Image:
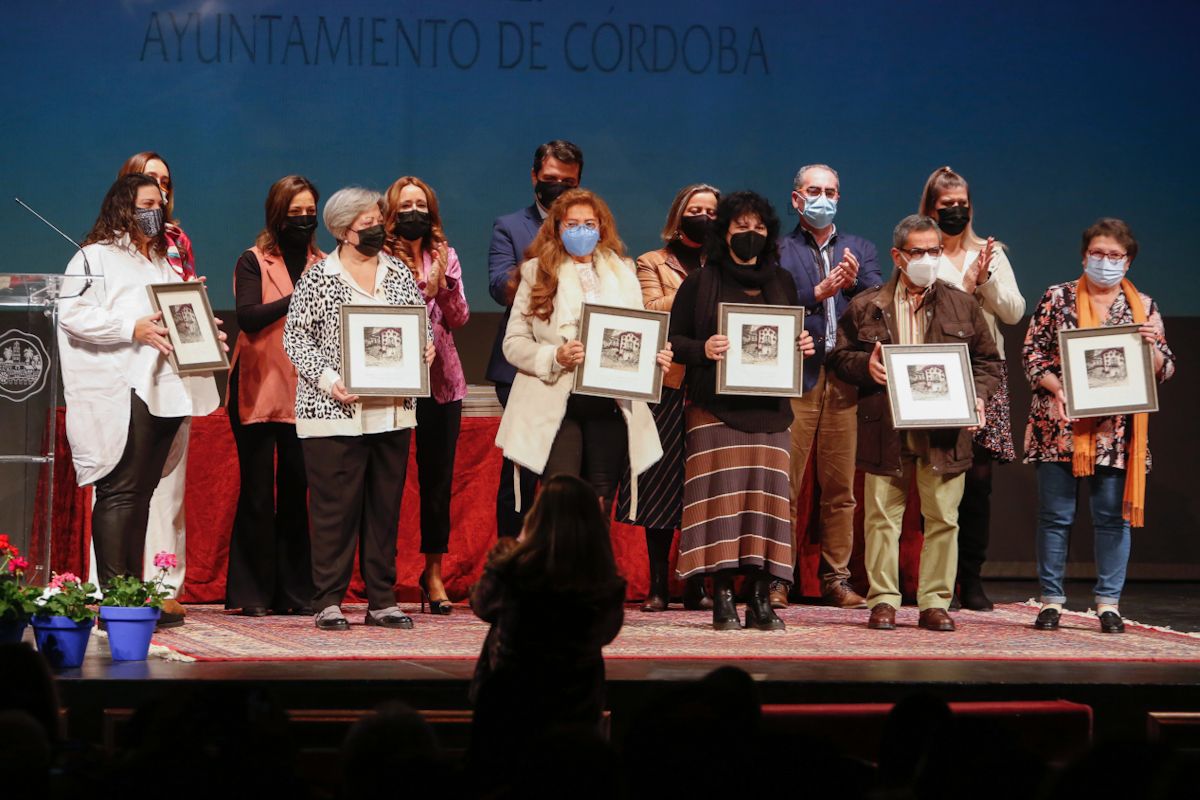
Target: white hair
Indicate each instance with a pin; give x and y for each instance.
(346, 205)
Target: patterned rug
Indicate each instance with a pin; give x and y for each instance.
(813, 633)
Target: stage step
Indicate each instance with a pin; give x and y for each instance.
(1056, 729)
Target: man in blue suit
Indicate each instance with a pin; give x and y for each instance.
(829, 268)
(557, 167)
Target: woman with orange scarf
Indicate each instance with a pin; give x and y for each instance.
(1110, 453)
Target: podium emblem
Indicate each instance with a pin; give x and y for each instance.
(23, 361)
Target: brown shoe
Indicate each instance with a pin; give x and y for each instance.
(779, 594)
(172, 606)
(883, 618)
(842, 596)
(936, 619)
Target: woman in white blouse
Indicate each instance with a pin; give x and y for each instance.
(355, 449)
(577, 257)
(980, 267)
(125, 403)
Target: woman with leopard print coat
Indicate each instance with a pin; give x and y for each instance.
(355, 449)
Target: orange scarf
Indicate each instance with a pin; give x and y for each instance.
(1133, 508)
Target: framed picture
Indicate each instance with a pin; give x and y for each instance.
(191, 326)
(383, 351)
(762, 358)
(1107, 371)
(619, 350)
(930, 385)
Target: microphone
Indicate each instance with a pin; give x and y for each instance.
(87, 268)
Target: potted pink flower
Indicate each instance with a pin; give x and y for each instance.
(63, 618)
(16, 599)
(131, 608)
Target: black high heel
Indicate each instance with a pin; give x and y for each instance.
(438, 607)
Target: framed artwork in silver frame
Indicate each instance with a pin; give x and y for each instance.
(191, 327)
(383, 350)
(1107, 371)
(763, 357)
(930, 385)
(620, 346)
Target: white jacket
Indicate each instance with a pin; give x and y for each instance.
(101, 362)
(998, 296)
(538, 401)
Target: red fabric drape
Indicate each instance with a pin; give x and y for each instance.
(212, 500)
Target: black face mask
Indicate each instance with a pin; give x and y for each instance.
(747, 245)
(412, 225)
(695, 227)
(296, 231)
(953, 220)
(547, 192)
(370, 240)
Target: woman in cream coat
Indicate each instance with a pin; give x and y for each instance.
(576, 258)
(979, 267)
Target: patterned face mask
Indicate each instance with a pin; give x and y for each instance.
(150, 220)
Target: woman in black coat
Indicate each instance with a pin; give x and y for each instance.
(554, 601)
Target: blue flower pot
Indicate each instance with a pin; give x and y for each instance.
(11, 630)
(129, 630)
(61, 640)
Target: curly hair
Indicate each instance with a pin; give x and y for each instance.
(137, 163)
(279, 199)
(547, 248)
(733, 207)
(116, 214)
(391, 206)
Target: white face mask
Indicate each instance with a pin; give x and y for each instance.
(923, 271)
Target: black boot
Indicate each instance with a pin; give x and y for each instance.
(725, 616)
(658, 550)
(695, 594)
(972, 596)
(759, 613)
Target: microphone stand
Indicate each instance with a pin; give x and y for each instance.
(87, 268)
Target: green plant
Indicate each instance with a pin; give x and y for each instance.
(16, 599)
(67, 596)
(127, 591)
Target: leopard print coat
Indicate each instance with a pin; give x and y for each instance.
(312, 338)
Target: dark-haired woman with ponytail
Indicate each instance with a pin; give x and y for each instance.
(736, 517)
(125, 403)
(270, 565)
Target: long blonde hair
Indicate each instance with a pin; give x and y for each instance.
(944, 178)
(548, 249)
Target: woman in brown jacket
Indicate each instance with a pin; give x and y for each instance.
(270, 565)
(660, 489)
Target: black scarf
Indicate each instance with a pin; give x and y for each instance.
(708, 296)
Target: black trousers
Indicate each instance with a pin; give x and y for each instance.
(508, 520)
(591, 443)
(355, 484)
(270, 563)
(123, 495)
(438, 425)
(974, 517)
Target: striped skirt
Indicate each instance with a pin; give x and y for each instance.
(736, 499)
(660, 488)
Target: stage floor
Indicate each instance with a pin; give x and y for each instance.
(1121, 692)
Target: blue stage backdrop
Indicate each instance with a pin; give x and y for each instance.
(1058, 112)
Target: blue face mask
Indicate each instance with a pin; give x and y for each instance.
(1105, 271)
(819, 211)
(581, 240)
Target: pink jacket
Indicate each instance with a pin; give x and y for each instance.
(447, 311)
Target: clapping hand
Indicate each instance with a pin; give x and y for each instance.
(977, 272)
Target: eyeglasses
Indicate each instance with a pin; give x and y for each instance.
(919, 252)
(813, 192)
(1102, 254)
(591, 226)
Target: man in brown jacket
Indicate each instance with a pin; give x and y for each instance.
(913, 307)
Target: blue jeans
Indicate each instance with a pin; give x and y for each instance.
(1057, 489)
